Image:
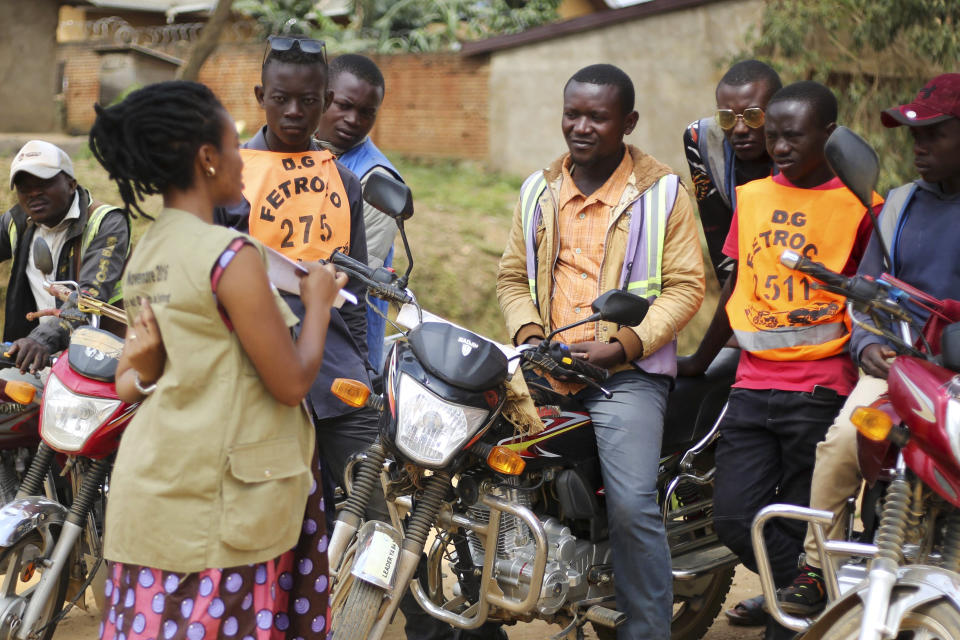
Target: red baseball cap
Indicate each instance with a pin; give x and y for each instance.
(936, 102)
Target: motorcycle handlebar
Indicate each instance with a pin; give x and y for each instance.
(7, 362)
(793, 260)
(379, 281)
(857, 288)
(556, 359)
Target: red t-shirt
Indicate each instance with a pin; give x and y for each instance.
(836, 372)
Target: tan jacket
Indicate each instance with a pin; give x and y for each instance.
(212, 472)
(682, 266)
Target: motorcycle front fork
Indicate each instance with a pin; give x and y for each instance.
(890, 538)
(351, 515)
(36, 475)
(69, 535)
(420, 521)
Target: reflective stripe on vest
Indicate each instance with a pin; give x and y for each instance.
(93, 228)
(791, 336)
(641, 273)
(776, 313)
(533, 187)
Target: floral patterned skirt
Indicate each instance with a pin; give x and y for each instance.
(282, 598)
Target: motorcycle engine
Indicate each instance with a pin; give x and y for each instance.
(516, 550)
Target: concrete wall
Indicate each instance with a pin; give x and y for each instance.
(28, 65)
(675, 60)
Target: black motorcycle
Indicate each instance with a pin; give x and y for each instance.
(517, 519)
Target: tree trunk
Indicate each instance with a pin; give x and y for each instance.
(207, 43)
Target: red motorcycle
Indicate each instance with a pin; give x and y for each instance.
(50, 534)
(907, 583)
(19, 423)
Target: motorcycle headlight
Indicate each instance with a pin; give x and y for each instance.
(953, 426)
(430, 430)
(69, 418)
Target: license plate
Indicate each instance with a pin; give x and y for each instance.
(376, 559)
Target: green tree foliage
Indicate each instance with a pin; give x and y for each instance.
(295, 17)
(390, 26)
(874, 54)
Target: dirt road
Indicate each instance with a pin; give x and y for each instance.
(84, 625)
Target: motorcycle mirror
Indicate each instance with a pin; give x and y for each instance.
(950, 346)
(42, 258)
(855, 163)
(621, 307)
(613, 306)
(389, 195)
(393, 198)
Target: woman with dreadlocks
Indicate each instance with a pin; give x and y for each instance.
(208, 490)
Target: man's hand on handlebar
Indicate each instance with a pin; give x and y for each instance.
(875, 360)
(599, 354)
(30, 355)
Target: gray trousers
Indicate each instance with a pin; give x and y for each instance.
(629, 431)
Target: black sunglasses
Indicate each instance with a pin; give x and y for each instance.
(306, 45)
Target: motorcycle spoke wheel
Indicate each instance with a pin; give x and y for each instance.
(23, 568)
(938, 620)
(697, 602)
(359, 612)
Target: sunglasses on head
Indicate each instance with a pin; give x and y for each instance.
(753, 117)
(306, 45)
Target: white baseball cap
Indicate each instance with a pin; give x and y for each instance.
(41, 159)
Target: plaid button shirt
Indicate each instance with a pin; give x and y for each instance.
(583, 221)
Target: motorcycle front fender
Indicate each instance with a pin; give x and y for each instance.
(916, 586)
(24, 515)
(378, 550)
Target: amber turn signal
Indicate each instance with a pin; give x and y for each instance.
(506, 461)
(18, 391)
(350, 392)
(874, 424)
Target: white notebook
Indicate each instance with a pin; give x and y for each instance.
(285, 275)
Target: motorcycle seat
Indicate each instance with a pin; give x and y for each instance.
(695, 402)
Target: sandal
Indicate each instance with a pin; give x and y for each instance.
(748, 613)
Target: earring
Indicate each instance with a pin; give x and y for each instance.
(211, 171)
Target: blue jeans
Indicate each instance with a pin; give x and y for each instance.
(629, 430)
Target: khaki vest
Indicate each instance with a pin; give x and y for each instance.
(776, 312)
(212, 472)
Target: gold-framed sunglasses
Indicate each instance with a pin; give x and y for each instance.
(753, 117)
(306, 45)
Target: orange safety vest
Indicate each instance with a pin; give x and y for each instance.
(298, 204)
(775, 312)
